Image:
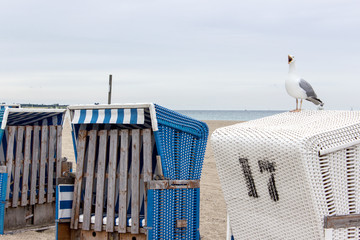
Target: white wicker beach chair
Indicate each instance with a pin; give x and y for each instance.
(292, 175)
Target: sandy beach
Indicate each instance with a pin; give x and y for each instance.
(212, 209)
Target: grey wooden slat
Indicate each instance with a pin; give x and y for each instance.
(100, 181)
(147, 151)
(78, 179)
(135, 181)
(43, 160)
(114, 139)
(18, 163)
(147, 155)
(27, 162)
(34, 164)
(52, 144)
(89, 179)
(10, 157)
(123, 191)
(58, 150)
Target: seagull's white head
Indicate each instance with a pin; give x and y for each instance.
(291, 59)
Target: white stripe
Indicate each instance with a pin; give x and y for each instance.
(140, 117)
(76, 116)
(114, 116)
(88, 116)
(154, 123)
(127, 116)
(101, 116)
(64, 213)
(66, 196)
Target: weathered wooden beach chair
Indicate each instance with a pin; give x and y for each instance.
(292, 175)
(30, 153)
(137, 174)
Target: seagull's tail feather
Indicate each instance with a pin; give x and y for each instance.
(316, 101)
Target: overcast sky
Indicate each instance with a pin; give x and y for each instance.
(182, 54)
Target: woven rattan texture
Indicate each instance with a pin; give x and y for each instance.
(276, 184)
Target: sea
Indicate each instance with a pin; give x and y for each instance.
(229, 115)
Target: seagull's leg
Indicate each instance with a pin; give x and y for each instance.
(301, 104)
(297, 105)
(296, 110)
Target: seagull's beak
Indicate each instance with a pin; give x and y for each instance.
(289, 59)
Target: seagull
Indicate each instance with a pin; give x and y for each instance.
(298, 87)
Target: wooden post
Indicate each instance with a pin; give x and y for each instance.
(110, 89)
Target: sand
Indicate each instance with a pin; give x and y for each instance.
(212, 205)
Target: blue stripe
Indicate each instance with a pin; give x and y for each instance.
(66, 204)
(59, 119)
(95, 115)
(133, 119)
(107, 115)
(57, 203)
(66, 188)
(82, 115)
(120, 118)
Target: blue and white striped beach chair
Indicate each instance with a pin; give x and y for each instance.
(137, 174)
(30, 151)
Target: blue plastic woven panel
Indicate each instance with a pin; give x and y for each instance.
(3, 184)
(181, 143)
(169, 205)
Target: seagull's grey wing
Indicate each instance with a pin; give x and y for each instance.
(310, 93)
(307, 88)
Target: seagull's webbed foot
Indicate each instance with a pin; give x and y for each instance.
(296, 110)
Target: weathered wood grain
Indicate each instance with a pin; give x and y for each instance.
(123, 191)
(89, 178)
(135, 181)
(114, 139)
(10, 157)
(27, 162)
(34, 164)
(78, 180)
(58, 150)
(43, 161)
(18, 163)
(52, 146)
(100, 181)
